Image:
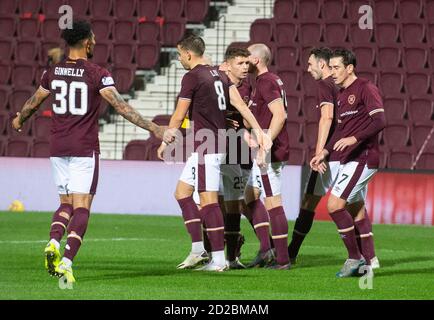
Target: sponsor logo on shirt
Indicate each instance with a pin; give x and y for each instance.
(107, 81)
(349, 113)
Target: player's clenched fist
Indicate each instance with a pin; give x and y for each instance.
(16, 123)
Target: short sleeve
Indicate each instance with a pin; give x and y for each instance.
(372, 99)
(105, 80)
(44, 84)
(188, 86)
(324, 94)
(270, 91)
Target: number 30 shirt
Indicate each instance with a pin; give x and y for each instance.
(75, 86)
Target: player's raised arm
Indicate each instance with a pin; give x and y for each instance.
(30, 107)
(112, 96)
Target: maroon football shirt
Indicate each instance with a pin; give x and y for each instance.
(208, 91)
(75, 85)
(269, 88)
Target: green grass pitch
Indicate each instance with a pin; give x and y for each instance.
(135, 257)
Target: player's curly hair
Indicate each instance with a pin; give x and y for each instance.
(80, 30)
(348, 57)
(321, 53)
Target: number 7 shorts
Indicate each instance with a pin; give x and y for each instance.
(351, 183)
(268, 179)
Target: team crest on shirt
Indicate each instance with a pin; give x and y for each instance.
(107, 81)
(351, 99)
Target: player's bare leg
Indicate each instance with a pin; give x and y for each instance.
(192, 221)
(233, 237)
(345, 224)
(60, 221)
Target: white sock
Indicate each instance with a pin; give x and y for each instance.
(56, 243)
(218, 257)
(67, 261)
(197, 247)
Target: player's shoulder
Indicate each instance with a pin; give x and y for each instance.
(94, 67)
(366, 85)
(327, 83)
(269, 80)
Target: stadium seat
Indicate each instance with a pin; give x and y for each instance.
(26, 50)
(308, 84)
(123, 75)
(172, 9)
(7, 48)
(172, 31)
(310, 107)
(395, 107)
(124, 29)
(261, 30)
(421, 108)
(413, 33)
(365, 56)
(29, 6)
(294, 129)
(308, 9)
(385, 10)
(310, 33)
(426, 161)
(23, 74)
(148, 9)
(389, 56)
(353, 8)
(4, 116)
(135, 150)
(5, 92)
(18, 97)
(417, 82)
(8, 25)
(102, 52)
(51, 7)
(102, 27)
(124, 8)
(311, 133)
(430, 34)
(100, 8)
(41, 126)
(410, 10)
(50, 30)
(285, 32)
(368, 73)
(290, 78)
(147, 55)
(420, 134)
(429, 10)
(333, 10)
(297, 156)
(286, 56)
(44, 47)
(284, 9)
(8, 7)
(396, 134)
(79, 7)
(335, 33)
(400, 158)
(415, 58)
(5, 73)
(359, 36)
(383, 155)
(18, 146)
(123, 52)
(28, 27)
(391, 82)
(196, 10)
(294, 102)
(147, 31)
(386, 33)
(40, 148)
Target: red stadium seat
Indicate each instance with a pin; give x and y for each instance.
(413, 33)
(261, 30)
(386, 33)
(196, 10)
(294, 102)
(297, 156)
(18, 97)
(172, 9)
(308, 84)
(395, 107)
(5, 73)
(8, 25)
(359, 36)
(335, 33)
(333, 10)
(308, 9)
(4, 116)
(5, 92)
(26, 50)
(389, 56)
(124, 8)
(148, 8)
(410, 10)
(365, 56)
(124, 29)
(285, 32)
(294, 129)
(29, 6)
(41, 126)
(368, 73)
(391, 82)
(400, 158)
(385, 10)
(51, 7)
(40, 148)
(151, 151)
(426, 161)
(172, 32)
(123, 75)
(290, 78)
(23, 74)
(310, 108)
(18, 146)
(429, 10)
(123, 52)
(284, 9)
(79, 7)
(415, 58)
(102, 27)
(8, 7)
(135, 150)
(44, 47)
(430, 34)
(311, 133)
(147, 55)
(147, 31)
(421, 108)
(310, 33)
(286, 56)
(353, 8)
(100, 8)
(396, 134)
(7, 48)
(417, 82)
(102, 52)
(420, 134)
(3, 142)
(28, 27)
(50, 30)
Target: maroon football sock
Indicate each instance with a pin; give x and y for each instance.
(279, 230)
(60, 221)
(343, 221)
(76, 231)
(213, 218)
(302, 227)
(366, 239)
(232, 233)
(191, 216)
(359, 242)
(261, 224)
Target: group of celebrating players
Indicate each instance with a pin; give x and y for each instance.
(214, 189)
